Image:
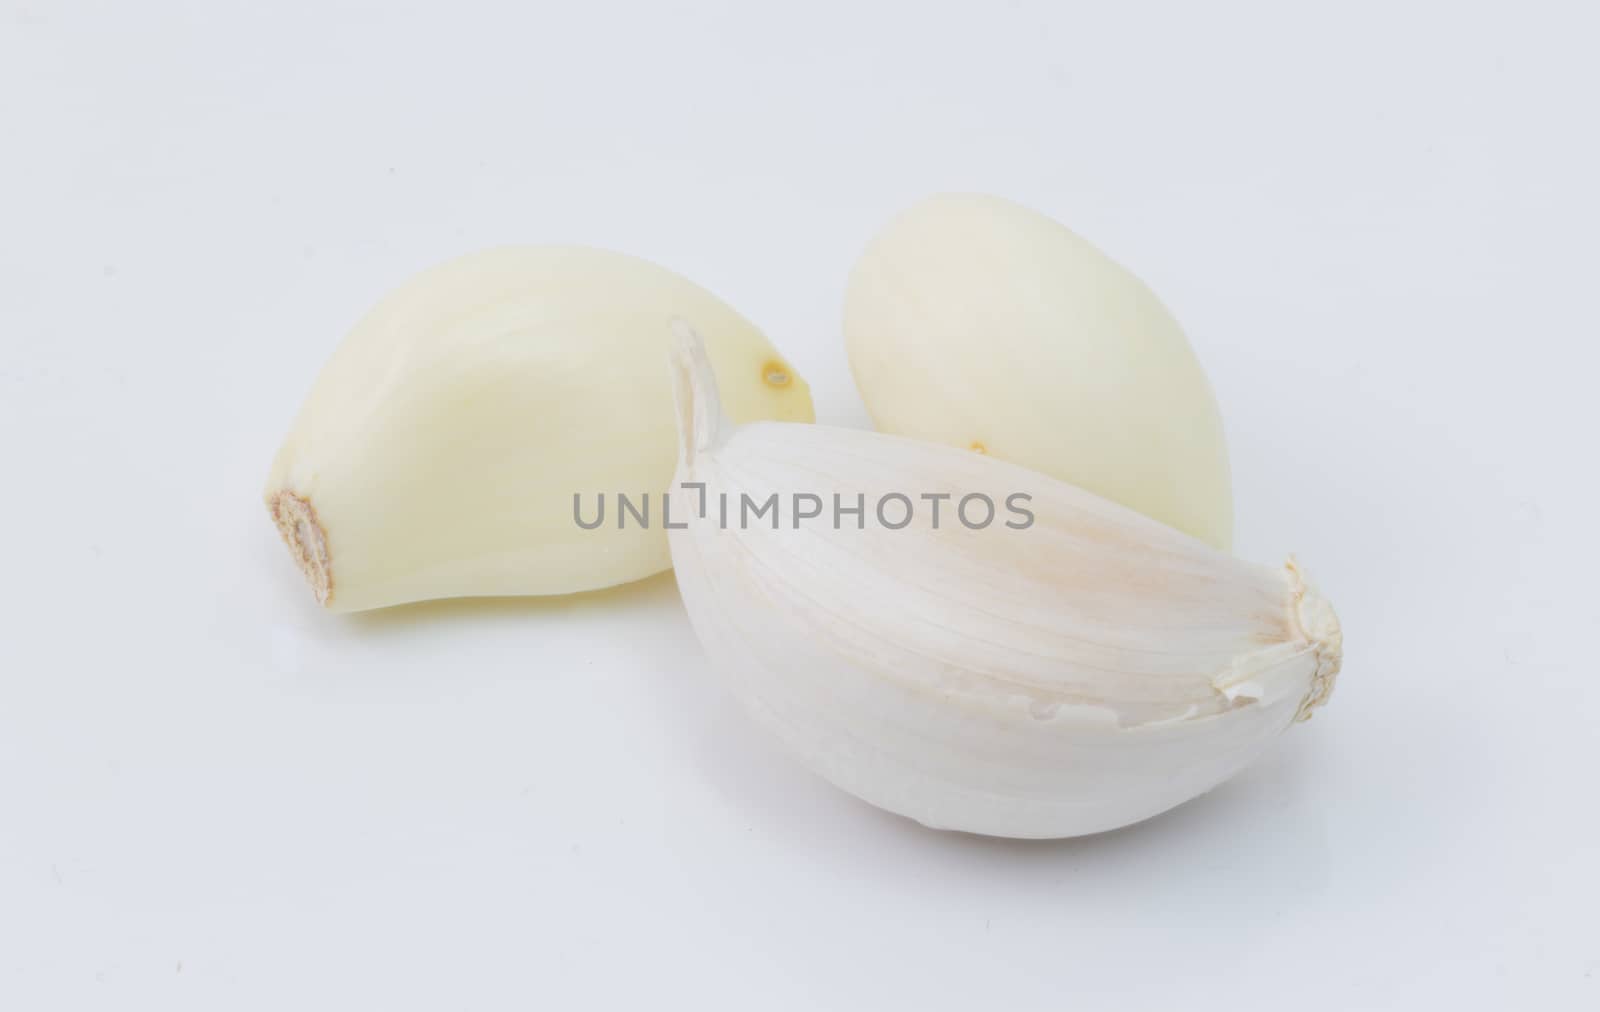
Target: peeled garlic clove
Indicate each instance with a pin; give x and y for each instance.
(979, 323)
(440, 450)
(1050, 665)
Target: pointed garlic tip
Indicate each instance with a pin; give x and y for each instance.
(1318, 623)
(308, 542)
(701, 422)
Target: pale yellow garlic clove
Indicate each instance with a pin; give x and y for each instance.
(978, 323)
(440, 449)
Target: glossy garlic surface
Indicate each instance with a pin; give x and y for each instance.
(440, 449)
(979, 323)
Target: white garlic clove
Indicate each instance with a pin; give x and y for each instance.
(440, 449)
(976, 322)
(1068, 674)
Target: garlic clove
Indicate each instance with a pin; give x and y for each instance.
(978, 323)
(1084, 669)
(440, 449)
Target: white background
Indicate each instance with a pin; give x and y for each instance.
(1377, 222)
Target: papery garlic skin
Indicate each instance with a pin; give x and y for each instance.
(440, 449)
(1091, 670)
(979, 323)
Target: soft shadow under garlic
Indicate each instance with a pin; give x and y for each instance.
(650, 591)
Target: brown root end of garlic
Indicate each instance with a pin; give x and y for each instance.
(1317, 622)
(308, 542)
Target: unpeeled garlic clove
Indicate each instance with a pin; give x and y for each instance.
(1063, 675)
(976, 322)
(440, 450)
